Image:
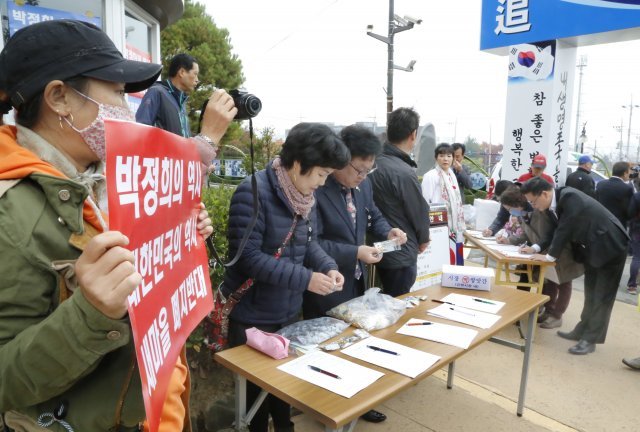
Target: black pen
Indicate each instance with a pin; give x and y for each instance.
(442, 301)
(322, 371)
(375, 348)
(483, 301)
(420, 323)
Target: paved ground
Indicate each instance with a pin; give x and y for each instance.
(566, 393)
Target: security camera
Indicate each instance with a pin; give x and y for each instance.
(412, 19)
(400, 20)
(370, 27)
(410, 66)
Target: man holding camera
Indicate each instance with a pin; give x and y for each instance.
(165, 103)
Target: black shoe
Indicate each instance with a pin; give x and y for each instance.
(583, 347)
(572, 335)
(373, 416)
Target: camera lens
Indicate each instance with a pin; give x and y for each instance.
(248, 105)
(251, 105)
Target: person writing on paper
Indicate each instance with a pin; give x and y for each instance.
(538, 230)
(346, 214)
(67, 357)
(598, 239)
(285, 225)
(503, 215)
(440, 186)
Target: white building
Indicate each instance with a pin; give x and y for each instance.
(133, 25)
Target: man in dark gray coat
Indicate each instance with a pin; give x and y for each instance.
(581, 179)
(598, 240)
(398, 195)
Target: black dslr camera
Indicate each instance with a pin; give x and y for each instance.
(248, 105)
(634, 172)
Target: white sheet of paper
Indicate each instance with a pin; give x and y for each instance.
(488, 242)
(516, 254)
(407, 361)
(466, 316)
(353, 377)
(437, 332)
(552, 275)
(503, 248)
(477, 303)
(478, 234)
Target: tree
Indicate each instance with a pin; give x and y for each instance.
(196, 34)
(265, 148)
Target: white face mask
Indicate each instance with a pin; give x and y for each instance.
(94, 134)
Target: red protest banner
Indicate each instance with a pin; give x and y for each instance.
(154, 180)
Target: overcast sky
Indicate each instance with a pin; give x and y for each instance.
(311, 60)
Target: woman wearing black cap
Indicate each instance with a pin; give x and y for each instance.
(67, 361)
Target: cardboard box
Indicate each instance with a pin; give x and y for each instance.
(468, 277)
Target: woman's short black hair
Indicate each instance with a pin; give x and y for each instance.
(29, 112)
(513, 197)
(314, 145)
(360, 141)
(443, 148)
(501, 186)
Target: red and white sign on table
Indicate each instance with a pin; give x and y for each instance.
(154, 182)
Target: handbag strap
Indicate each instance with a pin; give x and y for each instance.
(234, 297)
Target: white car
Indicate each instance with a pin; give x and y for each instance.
(496, 172)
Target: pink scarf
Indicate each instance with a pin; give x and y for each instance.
(301, 204)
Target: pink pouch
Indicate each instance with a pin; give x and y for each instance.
(271, 344)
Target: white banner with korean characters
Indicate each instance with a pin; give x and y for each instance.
(539, 95)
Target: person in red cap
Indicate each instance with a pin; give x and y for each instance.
(538, 164)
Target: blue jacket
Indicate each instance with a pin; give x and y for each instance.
(276, 294)
(165, 107)
(338, 237)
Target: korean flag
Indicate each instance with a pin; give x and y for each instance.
(530, 62)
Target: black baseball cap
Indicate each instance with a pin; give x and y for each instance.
(64, 49)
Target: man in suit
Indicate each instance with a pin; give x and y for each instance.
(615, 193)
(346, 213)
(581, 179)
(599, 240)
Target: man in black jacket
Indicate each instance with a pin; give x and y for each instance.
(398, 195)
(598, 240)
(581, 178)
(615, 193)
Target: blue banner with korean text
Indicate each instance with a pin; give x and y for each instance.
(24, 15)
(512, 22)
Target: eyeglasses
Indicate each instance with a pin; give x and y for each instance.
(365, 172)
(533, 203)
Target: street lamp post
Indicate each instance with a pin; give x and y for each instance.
(630, 106)
(396, 25)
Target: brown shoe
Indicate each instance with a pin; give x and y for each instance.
(551, 322)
